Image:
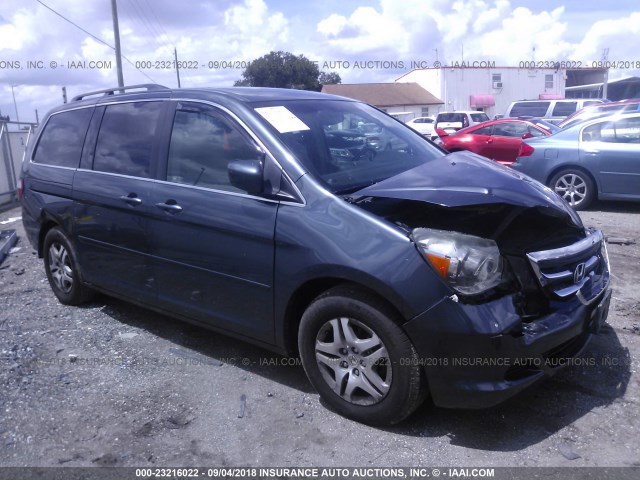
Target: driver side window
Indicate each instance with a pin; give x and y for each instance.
(203, 142)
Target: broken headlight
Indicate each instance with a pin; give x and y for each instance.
(470, 264)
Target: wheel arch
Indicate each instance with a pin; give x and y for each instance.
(46, 224)
(306, 293)
(573, 166)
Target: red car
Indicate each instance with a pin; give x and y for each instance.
(498, 140)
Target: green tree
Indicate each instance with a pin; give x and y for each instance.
(285, 70)
(330, 78)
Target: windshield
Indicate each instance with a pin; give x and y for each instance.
(346, 146)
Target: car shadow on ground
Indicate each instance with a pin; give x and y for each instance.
(596, 379)
(200, 344)
(614, 207)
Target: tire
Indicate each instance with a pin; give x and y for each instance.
(359, 360)
(575, 187)
(61, 265)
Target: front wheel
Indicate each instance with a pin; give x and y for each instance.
(360, 361)
(61, 266)
(575, 187)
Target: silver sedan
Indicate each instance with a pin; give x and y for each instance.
(595, 159)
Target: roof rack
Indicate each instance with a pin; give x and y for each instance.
(110, 91)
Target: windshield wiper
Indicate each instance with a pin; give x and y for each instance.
(355, 188)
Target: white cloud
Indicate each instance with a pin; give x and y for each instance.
(522, 32)
(490, 16)
(333, 25)
(228, 30)
(619, 35)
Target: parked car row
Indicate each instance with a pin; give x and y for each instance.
(594, 153)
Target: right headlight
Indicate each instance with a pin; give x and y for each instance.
(470, 264)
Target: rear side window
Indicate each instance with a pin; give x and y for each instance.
(529, 109)
(126, 138)
(625, 130)
(564, 109)
(450, 117)
(62, 139)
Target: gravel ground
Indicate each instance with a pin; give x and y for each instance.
(114, 384)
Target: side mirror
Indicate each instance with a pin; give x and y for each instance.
(526, 135)
(441, 132)
(247, 175)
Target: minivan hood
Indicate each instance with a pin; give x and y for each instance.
(464, 178)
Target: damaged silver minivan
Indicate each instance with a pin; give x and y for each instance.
(395, 273)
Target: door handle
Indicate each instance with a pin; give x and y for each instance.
(172, 208)
(133, 201)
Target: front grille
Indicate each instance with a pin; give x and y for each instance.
(578, 269)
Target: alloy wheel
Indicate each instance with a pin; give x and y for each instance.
(353, 361)
(60, 267)
(572, 188)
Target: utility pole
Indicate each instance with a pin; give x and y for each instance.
(175, 55)
(116, 35)
(605, 83)
(14, 103)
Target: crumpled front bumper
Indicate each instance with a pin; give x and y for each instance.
(477, 356)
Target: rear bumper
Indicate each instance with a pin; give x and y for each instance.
(477, 356)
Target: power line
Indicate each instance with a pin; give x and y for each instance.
(159, 23)
(94, 37)
(148, 24)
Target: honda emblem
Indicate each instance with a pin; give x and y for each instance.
(578, 273)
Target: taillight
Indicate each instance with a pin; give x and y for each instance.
(525, 150)
(20, 189)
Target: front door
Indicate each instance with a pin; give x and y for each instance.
(213, 245)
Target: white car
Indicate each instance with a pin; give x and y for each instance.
(453, 121)
(423, 125)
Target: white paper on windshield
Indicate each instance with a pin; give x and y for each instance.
(282, 119)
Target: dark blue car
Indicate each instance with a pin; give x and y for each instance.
(395, 276)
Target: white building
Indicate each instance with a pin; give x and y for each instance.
(488, 89)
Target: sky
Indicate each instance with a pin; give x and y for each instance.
(361, 40)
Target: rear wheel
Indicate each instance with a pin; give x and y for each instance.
(575, 187)
(61, 266)
(360, 361)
